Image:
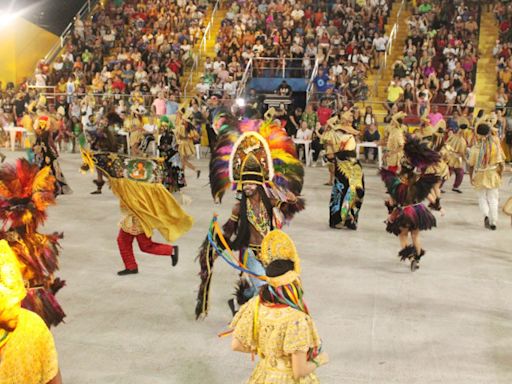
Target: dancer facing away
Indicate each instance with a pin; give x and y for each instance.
(174, 175)
(276, 324)
(407, 190)
(187, 135)
(486, 163)
(26, 344)
(395, 142)
(263, 164)
(433, 136)
(456, 147)
(348, 189)
(46, 154)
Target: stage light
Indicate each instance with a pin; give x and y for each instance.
(8, 17)
(240, 102)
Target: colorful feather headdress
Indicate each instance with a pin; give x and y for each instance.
(25, 193)
(266, 142)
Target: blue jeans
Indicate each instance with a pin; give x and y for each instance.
(255, 266)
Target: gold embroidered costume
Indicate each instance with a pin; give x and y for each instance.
(281, 332)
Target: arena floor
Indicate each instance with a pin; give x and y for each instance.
(449, 322)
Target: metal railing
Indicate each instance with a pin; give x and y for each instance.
(201, 49)
(389, 47)
(49, 92)
(311, 83)
(243, 83)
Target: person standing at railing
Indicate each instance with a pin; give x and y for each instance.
(159, 105)
(70, 89)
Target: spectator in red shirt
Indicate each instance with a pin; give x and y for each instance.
(319, 17)
(118, 84)
(324, 112)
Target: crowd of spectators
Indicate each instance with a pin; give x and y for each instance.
(288, 36)
(125, 58)
(131, 47)
(502, 52)
(439, 61)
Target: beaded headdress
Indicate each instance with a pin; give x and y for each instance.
(12, 288)
(250, 161)
(277, 245)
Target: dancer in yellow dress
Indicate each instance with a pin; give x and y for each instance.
(186, 135)
(276, 325)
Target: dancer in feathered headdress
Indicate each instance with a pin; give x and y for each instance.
(257, 158)
(407, 189)
(25, 194)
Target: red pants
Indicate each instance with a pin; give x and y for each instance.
(393, 168)
(125, 244)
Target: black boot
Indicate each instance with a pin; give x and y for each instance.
(128, 272)
(407, 252)
(436, 206)
(99, 185)
(174, 255)
(231, 305)
(415, 262)
(486, 223)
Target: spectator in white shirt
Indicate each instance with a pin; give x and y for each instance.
(304, 133)
(297, 13)
(380, 43)
(217, 65)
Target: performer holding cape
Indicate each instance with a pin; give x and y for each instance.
(259, 159)
(146, 204)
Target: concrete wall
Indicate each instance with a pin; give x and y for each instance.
(21, 46)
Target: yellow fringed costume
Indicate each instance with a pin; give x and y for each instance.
(154, 207)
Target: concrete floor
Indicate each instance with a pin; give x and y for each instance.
(450, 322)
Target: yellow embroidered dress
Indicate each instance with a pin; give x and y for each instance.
(29, 356)
(279, 333)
